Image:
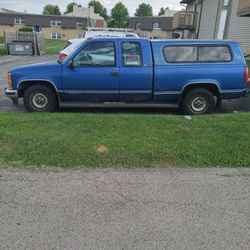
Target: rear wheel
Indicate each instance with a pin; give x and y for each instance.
(198, 102)
(40, 98)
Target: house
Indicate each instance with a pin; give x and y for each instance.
(213, 19)
(54, 27)
(156, 27)
(79, 11)
(244, 8)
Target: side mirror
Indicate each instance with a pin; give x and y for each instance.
(71, 64)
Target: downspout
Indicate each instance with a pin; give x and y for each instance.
(194, 19)
(199, 25)
(217, 19)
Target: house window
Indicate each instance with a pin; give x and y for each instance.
(156, 26)
(79, 25)
(55, 22)
(19, 21)
(138, 25)
(56, 35)
(79, 35)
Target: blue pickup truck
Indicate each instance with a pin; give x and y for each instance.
(193, 75)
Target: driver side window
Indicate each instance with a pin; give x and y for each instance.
(96, 54)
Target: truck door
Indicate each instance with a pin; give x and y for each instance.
(135, 70)
(93, 75)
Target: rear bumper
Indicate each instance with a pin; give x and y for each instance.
(12, 94)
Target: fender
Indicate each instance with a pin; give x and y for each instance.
(40, 80)
(203, 81)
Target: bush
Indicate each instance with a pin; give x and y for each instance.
(26, 29)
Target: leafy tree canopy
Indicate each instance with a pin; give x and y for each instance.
(69, 7)
(144, 10)
(99, 8)
(119, 16)
(51, 9)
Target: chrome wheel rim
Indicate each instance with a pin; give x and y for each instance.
(199, 104)
(40, 100)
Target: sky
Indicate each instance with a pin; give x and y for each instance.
(36, 6)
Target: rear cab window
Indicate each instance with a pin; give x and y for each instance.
(131, 54)
(197, 53)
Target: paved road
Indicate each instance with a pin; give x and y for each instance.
(126, 209)
(8, 62)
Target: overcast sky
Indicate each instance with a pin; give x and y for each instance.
(36, 6)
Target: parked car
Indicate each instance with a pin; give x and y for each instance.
(193, 75)
(71, 46)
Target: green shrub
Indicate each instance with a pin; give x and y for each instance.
(26, 29)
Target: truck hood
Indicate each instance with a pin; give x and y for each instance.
(36, 66)
(49, 71)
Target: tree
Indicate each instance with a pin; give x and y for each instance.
(119, 16)
(99, 8)
(144, 10)
(69, 7)
(50, 9)
(162, 11)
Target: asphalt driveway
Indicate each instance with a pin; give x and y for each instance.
(126, 209)
(8, 62)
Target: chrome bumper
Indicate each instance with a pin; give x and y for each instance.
(12, 94)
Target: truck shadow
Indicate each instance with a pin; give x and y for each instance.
(227, 106)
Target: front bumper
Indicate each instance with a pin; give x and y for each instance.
(12, 94)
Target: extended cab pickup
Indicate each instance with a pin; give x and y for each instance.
(194, 75)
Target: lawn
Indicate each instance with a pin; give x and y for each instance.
(248, 63)
(129, 140)
(54, 46)
(2, 47)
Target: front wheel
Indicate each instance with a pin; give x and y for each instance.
(40, 98)
(198, 102)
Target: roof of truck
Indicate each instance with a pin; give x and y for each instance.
(195, 41)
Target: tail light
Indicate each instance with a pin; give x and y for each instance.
(62, 56)
(10, 84)
(246, 75)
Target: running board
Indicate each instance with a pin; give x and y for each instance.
(115, 105)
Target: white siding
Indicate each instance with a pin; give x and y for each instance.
(239, 29)
(208, 19)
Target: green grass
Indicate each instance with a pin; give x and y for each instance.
(54, 46)
(248, 63)
(128, 140)
(2, 47)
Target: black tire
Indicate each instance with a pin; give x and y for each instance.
(40, 98)
(218, 102)
(198, 102)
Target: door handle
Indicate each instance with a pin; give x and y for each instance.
(114, 73)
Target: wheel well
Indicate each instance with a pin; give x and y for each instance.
(209, 86)
(25, 85)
